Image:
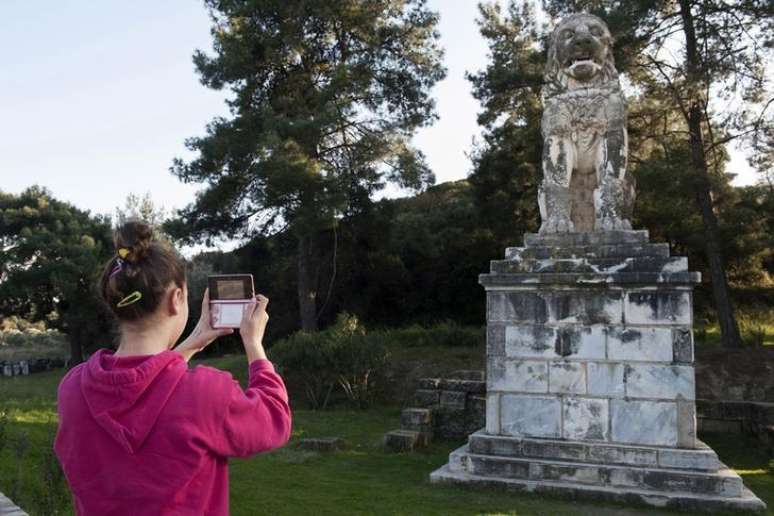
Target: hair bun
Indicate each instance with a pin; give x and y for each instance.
(136, 236)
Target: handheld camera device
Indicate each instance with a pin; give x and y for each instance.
(229, 294)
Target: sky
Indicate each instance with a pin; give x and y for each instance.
(97, 98)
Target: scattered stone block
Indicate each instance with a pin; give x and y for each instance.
(321, 443)
(427, 397)
(463, 385)
(453, 399)
(429, 383)
(721, 426)
(473, 375)
(417, 419)
(404, 440)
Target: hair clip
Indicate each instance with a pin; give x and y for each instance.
(130, 299)
(119, 265)
(123, 252)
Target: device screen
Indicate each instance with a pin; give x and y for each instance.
(231, 287)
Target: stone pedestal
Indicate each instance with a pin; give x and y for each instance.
(590, 381)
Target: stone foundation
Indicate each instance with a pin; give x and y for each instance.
(448, 408)
(590, 380)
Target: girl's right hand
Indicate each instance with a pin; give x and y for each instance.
(254, 320)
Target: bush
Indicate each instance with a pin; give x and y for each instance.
(445, 334)
(303, 355)
(15, 323)
(32, 343)
(752, 327)
(357, 358)
(343, 355)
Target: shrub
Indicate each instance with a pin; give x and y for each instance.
(15, 323)
(445, 334)
(32, 343)
(303, 355)
(752, 329)
(357, 358)
(343, 355)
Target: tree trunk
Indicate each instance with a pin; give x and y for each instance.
(76, 347)
(307, 290)
(701, 181)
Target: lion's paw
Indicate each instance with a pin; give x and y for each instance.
(557, 225)
(612, 224)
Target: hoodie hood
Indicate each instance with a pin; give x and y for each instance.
(125, 395)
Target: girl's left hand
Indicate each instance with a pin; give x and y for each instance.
(203, 334)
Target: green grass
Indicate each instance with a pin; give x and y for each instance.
(756, 328)
(360, 479)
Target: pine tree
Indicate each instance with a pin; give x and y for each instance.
(325, 98)
(50, 256)
(506, 166)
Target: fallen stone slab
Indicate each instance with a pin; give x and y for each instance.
(404, 440)
(321, 443)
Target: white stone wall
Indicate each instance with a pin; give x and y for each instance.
(592, 364)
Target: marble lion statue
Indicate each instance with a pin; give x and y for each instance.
(585, 184)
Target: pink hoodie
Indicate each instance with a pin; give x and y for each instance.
(147, 435)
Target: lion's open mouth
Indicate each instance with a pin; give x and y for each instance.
(583, 59)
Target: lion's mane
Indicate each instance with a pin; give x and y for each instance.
(556, 80)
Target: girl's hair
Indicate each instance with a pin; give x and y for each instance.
(136, 278)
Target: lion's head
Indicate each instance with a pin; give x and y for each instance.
(580, 55)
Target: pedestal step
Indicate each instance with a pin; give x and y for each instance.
(587, 238)
(606, 265)
(723, 482)
(702, 458)
(689, 501)
(544, 252)
(497, 280)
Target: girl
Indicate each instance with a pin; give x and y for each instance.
(140, 432)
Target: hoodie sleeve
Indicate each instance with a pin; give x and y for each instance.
(255, 419)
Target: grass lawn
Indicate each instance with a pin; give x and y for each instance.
(361, 479)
